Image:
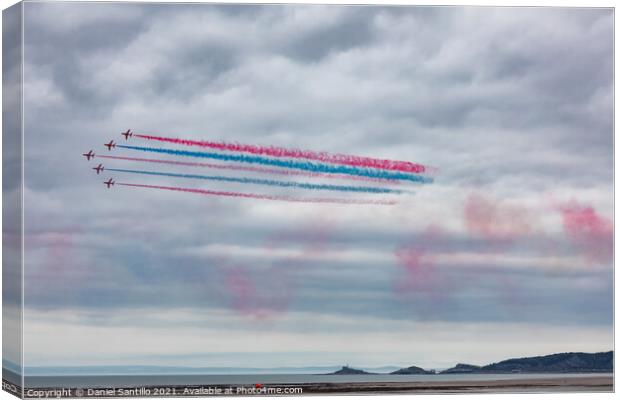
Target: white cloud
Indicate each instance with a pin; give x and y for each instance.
(61, 338)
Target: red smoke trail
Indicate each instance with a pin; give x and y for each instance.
(591, 233)
(263, 290)
(420, 284)
(499, 224)
(259, 294)
(358, 161)
(255, 169)
(262, 196)
(59, 245)
(418, 263)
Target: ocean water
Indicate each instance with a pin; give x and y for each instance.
(102, 381)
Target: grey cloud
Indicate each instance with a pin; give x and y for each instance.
(354, 30)
(516, 102)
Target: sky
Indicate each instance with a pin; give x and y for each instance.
(507, 253)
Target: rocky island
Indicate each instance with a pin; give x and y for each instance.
(413, 370)
(462, 369)
(346, 370)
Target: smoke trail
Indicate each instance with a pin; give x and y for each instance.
(267, 182)
(421, 283)
(302, 165)
(253, 169)
(273, 151)
(262, 290)
(499, 224)
(591, 233)
(261, 196)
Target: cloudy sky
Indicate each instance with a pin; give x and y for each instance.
(507, 253)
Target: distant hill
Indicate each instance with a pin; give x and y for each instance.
(561, 362)
(413, 370)
(350, 371)
(461, 369)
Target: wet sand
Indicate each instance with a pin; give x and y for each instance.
(568, 384)
(530, 385)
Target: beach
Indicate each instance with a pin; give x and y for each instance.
(542, 384)
(554, 384)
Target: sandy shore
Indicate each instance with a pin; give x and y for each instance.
(568, 384)
(535, 385)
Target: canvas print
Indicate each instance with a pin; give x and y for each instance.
(234, 199)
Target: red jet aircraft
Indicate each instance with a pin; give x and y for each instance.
(98, 168)
(89, 155)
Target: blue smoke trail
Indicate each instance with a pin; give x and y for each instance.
(302, 165)
(265, 182)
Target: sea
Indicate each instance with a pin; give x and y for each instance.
(126, 381)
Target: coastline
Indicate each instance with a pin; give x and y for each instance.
(568, 384)
(529, 385)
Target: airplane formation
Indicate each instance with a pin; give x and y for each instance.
(110, 145)
(379, 174)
